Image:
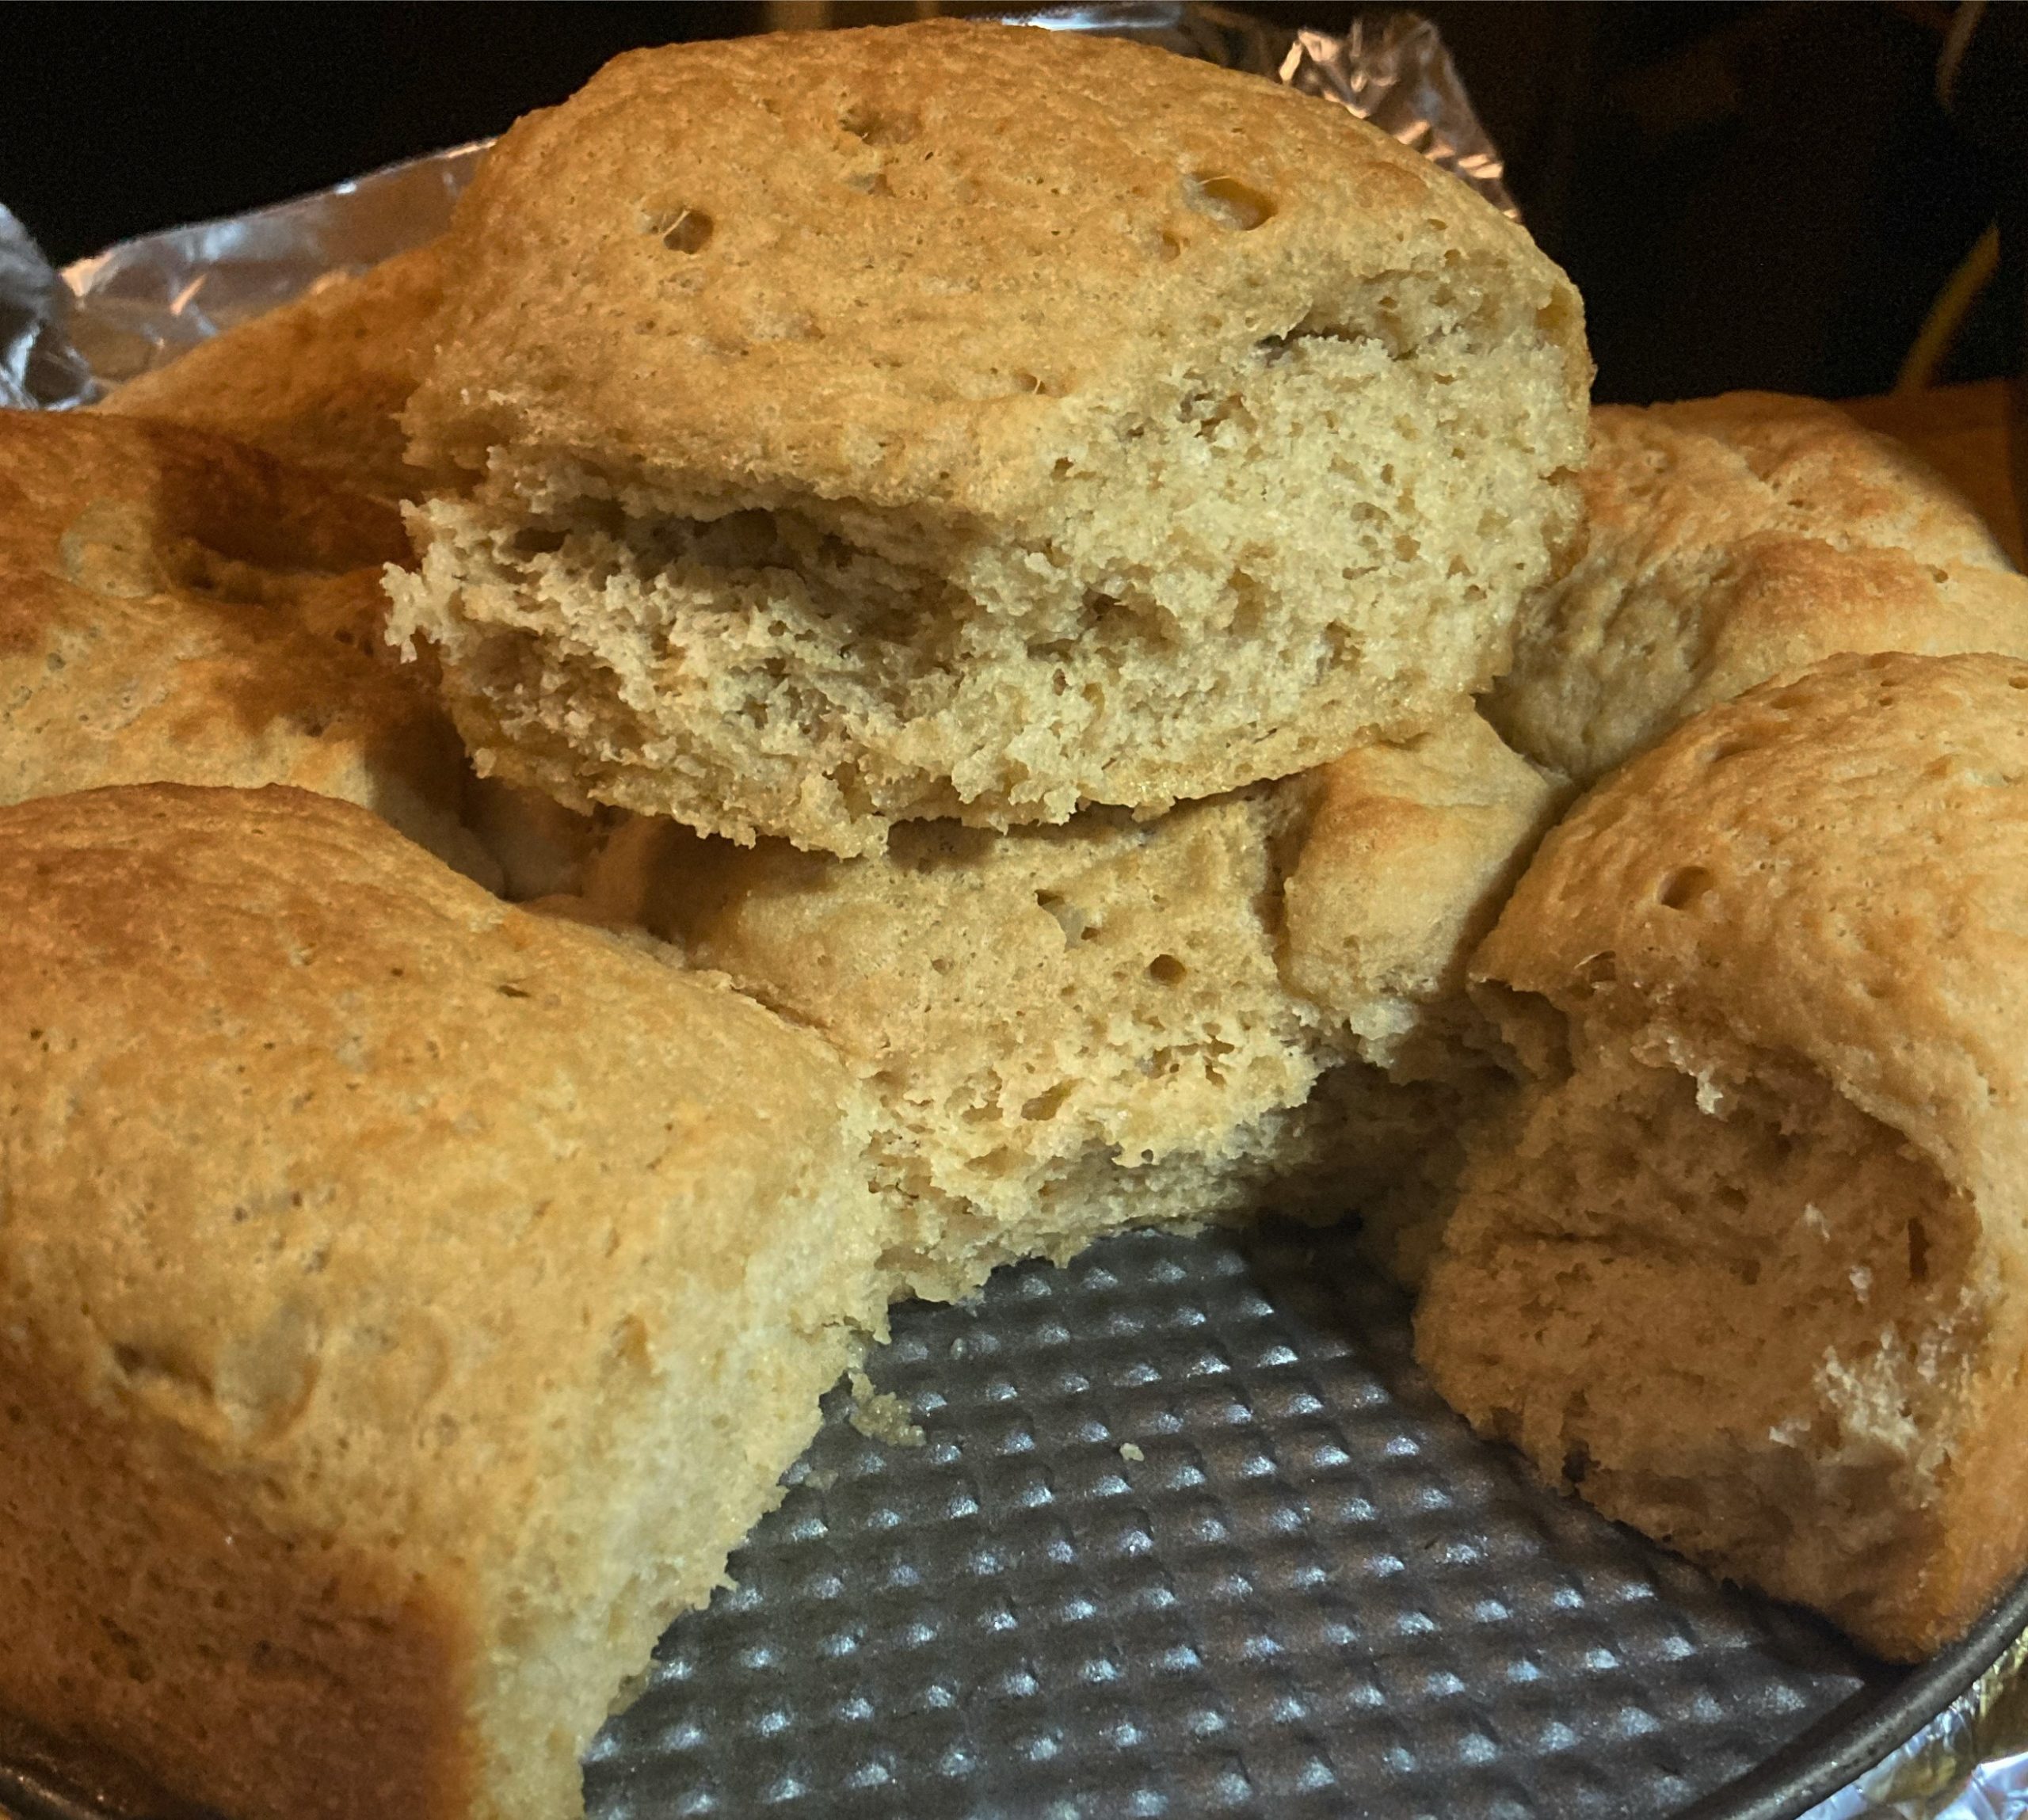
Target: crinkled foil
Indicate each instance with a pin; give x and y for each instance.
(38, 364)
(138, 305)
(67, 338)
(1969, 1763)
(1392, 69)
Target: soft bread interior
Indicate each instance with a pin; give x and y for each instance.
(1067, 1029)
(1731, 1309)
(1279, 547)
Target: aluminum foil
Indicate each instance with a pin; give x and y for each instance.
(68, 338)
(137, 306)
(1969, 1763)
(38, 365)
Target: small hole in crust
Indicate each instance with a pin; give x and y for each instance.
(2017, 681)
(1228, 201)
(871, 126)
(1918, 1252)
(685, 230)
(1683, 887)
(1725, 749)
(1167, 970)
(630, 1345)
(1598, 970)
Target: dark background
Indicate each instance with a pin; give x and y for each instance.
(1762, 195)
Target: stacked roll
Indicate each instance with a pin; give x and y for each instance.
(967, 564)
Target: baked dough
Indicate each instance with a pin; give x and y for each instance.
(1732, 540)
(405, 1303)
(321, 381)
(1069, 1030)
(965, 420)
(1410, 851)
(176, 606)
(1747, 1269)
(1256, 1001)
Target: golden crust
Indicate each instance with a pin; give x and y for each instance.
(918, 252)
(1784, 866)
(321, 381)
(966, 422)
(1732, 540)
(176, 606)
(1753, 1258)
(1410, 852)
(445, 1285)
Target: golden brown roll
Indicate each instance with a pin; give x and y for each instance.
(1252, 1002)
(965, 420)
(176, 607)
(405, 1303)
(1750, 1270)
(321, 381)
(1068, 1029)
(1728, 541)
(1409, 853)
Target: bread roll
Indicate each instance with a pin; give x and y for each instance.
(1748, 1270)
(965, 420)
(1409, 850)
(1732, 540)
(405, 1303)
(1409, 853)
(321, 381)
(1069, 1030)
(1252, 1002)
(176, 606)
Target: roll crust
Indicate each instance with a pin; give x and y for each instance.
(321, 381)
(1732, 540)
(973, 422)
(1748, 1272)
(176, 607)
(409, 1301)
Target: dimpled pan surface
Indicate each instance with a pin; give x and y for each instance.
(1187, 1534)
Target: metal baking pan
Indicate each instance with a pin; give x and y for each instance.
(1188, 1534)
(1191, 1535)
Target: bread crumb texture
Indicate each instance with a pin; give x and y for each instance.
(1253, 1001)
(405, 1303)
(1731, 541)
(177, 607)
(1745, 1266)
(963, 421)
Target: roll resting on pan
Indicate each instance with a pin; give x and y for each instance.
(983, 1037)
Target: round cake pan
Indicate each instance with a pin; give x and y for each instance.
(1184, 1532)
